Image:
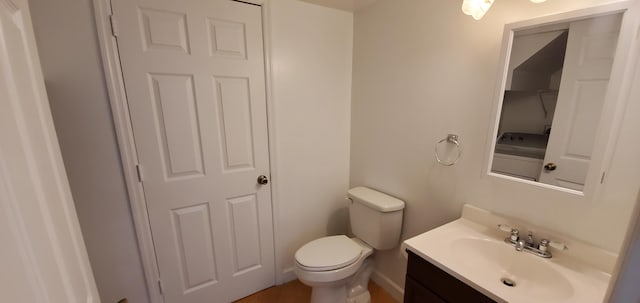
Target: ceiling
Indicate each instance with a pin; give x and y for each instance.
(345, 5)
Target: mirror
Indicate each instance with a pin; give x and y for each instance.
(554, 90)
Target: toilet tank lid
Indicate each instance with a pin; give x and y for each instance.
(375, 199)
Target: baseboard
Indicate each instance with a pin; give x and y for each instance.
(287, 275)
(395, 290)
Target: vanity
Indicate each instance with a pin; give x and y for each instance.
(469, 260)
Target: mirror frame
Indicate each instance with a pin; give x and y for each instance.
(615, 98)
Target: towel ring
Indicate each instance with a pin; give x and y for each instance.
(453, 139)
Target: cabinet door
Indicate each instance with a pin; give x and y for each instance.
(416, 293)
(439, 282)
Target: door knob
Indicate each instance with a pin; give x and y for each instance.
(550, 166)
(262, 180)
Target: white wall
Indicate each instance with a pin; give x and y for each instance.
(68, 47)
(422, 69)
(626, 288)
(626, 283)
(311, 59)
(312, 49)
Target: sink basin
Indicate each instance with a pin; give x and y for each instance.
(518, 270)
(472, 249)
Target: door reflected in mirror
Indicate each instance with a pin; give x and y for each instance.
(554, 93)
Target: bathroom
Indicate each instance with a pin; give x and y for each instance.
(359, 95)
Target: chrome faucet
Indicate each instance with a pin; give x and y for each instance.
(530, 241)
(529, 245)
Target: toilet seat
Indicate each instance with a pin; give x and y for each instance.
(328, 253)
(314, 276)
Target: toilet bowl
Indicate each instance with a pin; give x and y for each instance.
(338, 268)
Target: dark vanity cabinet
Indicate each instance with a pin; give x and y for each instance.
(426, 283)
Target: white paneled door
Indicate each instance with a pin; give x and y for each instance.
(42, 254)
(195, 81)
(585, 77)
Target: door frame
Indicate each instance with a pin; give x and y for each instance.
(126, 143)
(48, 257)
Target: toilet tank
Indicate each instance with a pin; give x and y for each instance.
(376, 218)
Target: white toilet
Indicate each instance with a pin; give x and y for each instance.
(337, 267)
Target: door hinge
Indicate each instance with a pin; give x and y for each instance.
(602, 178)
(160, 287)
(114, 26)
(139, 172)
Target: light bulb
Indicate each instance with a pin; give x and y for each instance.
(537, 1)
(477, 8)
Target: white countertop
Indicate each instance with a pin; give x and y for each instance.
(476, 254)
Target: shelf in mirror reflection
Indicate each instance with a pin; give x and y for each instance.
(522, 144)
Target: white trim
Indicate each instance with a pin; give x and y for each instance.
(36, 204)
(271, 133)
(254, 2)
(287, 275)
(126, 143)
(396, 291)
(570, 16)
(611, 113)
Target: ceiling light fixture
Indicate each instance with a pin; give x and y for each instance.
(477, 8)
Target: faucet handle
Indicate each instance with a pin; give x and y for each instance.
(557, 245)
(505, 228)
(544, 244)
(515, 233)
